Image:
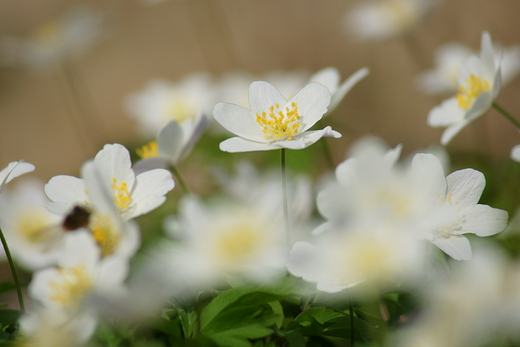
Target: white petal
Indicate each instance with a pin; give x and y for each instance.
(113, 161)
(427, 170)
(306, 139)
(466, 186)
(65, 191)
(13, 170)
(452, 131)
(263, 95)
(445, 114)
(150, 190)
(483, 220)
(329, 77)
(515, 153)
(169, 141)
(457, 247)
(312, 101)
(239, 120)
(238, 144)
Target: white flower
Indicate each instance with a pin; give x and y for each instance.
(174, 142)
(132, 195)
(444, 77)
(479, 83)
(387, 18)
(274, 122)
(162, 101)
(13, 170)
(458, 198)
(515, 153)
(62, 293)
(68, 35)
(33, 233)
(331, 78)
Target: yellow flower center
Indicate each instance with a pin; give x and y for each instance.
(49, 35)
(401, 14)
(34, 226)
(149, 150)
(105, 232)
(122, 198)
(75, 283)
(280, 125)
(181, 110)
(474, 87)
(238, 244)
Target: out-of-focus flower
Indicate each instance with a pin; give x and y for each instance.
(71, 34)
(331, 78)
(173, 143)
(387, 18)
(13, 170)
(515, 153)
(479, 83)
(162, 101)
(62, 293)
(458, 198)
(132, 195)
(273, 122)
(33, 233)
(448, 58)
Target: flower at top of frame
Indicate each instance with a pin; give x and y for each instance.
(387, 18)
(162, 101)
(273, 122)
(479, 80)
(13, 170)
(70, 34)
(448, 58)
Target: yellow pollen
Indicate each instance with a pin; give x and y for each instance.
(475, 86)
(148, 151)
(105, 233)
(280, 125)
(71, 289)
(238, 244)
(122, 198)
(181, 110)
(34, 226)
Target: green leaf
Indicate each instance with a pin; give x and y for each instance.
(9, 317)
(239, 337)
(6, 287)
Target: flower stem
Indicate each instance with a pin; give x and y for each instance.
(328, 153)
(178, 176)
(507, 115)
(13, 271)
(352, 331)
(285, 204)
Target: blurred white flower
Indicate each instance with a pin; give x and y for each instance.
(71, 34)
(173, 143)
(479, 83)
(162, 101)
(387, 18)
(274, 122)
(13, 170)
(515, 153)
(61, 293)
(32, 232)
(132, 195)
(448, 58)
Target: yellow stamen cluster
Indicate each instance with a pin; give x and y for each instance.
(74, 284)
(105, 233)
(238, 244)
(181, 110)
(34, 226)
(149, 150)
(280, 125)
(475, 86)
(122, 198)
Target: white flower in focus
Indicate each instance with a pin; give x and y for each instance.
(448, 58)
(68, 35)
(33, 233)
(479, 83)
(458, 199)
(162, 101)
(61, 294)
(132, 195)
(13, 170)
(273, 122)
(173, 143)
(387, 18)
(331, 78)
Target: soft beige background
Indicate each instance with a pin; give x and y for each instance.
(176, 38)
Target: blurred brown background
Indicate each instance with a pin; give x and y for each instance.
(175, 38)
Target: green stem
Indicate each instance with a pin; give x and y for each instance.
(178, 176)
(507, 115)
(13, 271)
(352, 331)
(285, 204)
(328, 153)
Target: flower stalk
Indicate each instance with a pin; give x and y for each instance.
(507, 115)
(13, 271)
